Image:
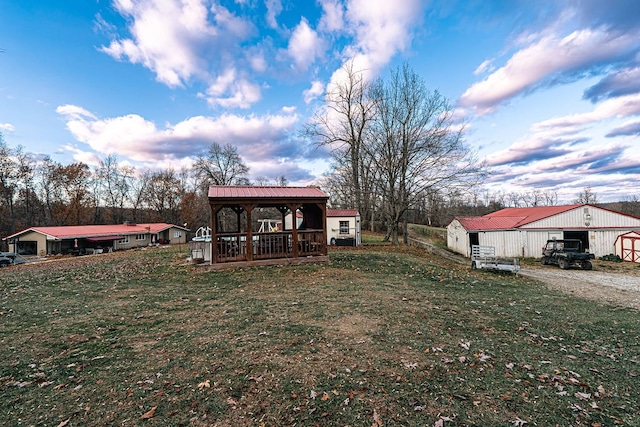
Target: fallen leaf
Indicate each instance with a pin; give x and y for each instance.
(377, 421)
(149, 413)
(64, 423)
(204, 384)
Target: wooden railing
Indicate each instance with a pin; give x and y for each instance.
(232, 247)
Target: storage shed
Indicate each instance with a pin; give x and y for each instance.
(522, 232)
(343, 227)
(628, 246)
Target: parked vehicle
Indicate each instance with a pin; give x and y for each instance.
(566, 253)
(7, 258)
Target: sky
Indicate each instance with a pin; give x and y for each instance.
(548, 90)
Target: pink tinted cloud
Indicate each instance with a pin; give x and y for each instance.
(545, 58)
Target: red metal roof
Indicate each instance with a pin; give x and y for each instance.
(81, 231)
(341, 212)
(243, 191)
(510, 218)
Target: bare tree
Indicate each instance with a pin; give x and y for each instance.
(8, 184)
(342, 122)
(416, 148)
(115, 185)
(221, 166)
(586, 197)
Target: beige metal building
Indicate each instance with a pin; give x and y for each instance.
(81, 239)
(522, 232)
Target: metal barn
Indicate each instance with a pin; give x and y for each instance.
(522, 232)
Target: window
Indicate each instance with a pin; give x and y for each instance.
(141, 237)
(124, 241)
(177, 233)
(344, 227)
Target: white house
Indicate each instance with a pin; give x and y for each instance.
(522, 232)
(343, 227)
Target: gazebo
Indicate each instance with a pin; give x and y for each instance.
(239, 235)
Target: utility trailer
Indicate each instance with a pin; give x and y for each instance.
(485, 257)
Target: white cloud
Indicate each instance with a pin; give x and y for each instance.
(304, 45)
(543, 59)
(74, 111)
(176, 39)
(316, 89)
(7, 127)
(140, 140)
(486, 66)
(383, 28)
(332, 19)
(229, 91)
(274, 7)
(621, 107)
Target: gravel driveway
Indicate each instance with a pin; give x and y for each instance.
(617, 288)
(608, 282)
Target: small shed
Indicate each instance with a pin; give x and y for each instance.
(628, 246)
(236, 214)
(343, 227)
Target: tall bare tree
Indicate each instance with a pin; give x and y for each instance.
(342, 122)
(417, 149)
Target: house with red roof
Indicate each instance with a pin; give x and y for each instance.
(83, 239)
(522, 232)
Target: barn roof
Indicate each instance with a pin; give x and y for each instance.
(341, 212)
(244, 192)
(510, 218)
(84, 231)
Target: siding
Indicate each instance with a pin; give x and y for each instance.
(458, 238)
(575, 219)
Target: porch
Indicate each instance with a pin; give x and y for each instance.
(237, 240)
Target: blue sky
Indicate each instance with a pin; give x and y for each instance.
(549, 91)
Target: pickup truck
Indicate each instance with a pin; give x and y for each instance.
(566, 253)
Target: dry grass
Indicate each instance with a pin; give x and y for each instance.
(378, 336)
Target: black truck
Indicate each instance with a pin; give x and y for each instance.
(566, 253)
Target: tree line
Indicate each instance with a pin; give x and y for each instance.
(38, 191)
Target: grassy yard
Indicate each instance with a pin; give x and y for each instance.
(380, 336)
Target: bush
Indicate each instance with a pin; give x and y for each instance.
(611, 257)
